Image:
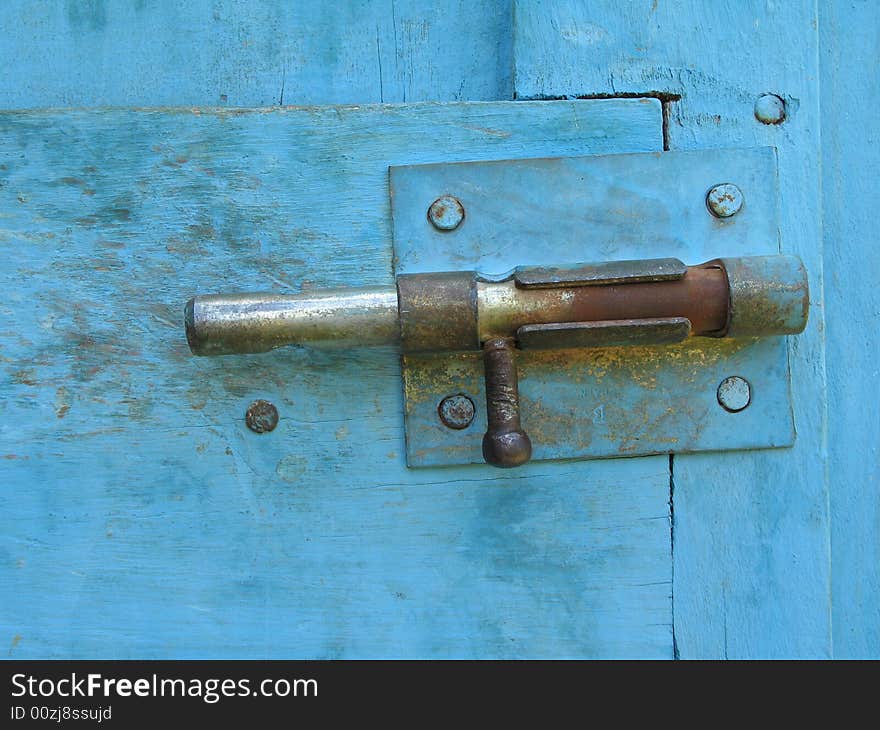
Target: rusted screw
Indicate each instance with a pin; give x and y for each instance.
(770, 109)
(446, 213)
(456, 411)
(261, 416)
(724, 200)
(734, 394)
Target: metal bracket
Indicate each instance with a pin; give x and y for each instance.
(662, 391)
(607, 333)
(602, 274)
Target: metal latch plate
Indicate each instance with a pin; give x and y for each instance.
(604, 401)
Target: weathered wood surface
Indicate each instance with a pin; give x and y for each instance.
(751, 547)
(244, 53)
(752, 576)
(850, 47)
(140, 518)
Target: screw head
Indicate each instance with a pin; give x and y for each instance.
(724, 200)
(456, 411)
(446, 213)
(770, 109)
(734, 394)
(261, 416)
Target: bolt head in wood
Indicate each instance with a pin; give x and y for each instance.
(446, 213)
(770, 109)
(261, 416)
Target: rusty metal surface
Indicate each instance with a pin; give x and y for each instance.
(615, 332)
(261, 416)
(755, 296)
(598, 274)
(768, 295)
(438, 312)
(505, 443)
(609, 401)
(700, 295)
(456, 411)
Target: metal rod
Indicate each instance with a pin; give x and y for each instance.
(224, 324)
(455, 311)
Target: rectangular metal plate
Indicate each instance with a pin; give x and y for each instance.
(603, 402)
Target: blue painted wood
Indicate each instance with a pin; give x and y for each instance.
(751, 529)
(751, 573)
(138, 515)
(850, 45)
(245, 53)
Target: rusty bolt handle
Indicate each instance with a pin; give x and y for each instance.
(505, 444)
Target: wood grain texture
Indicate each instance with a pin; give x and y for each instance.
(751, 529)
(140, 518)
(850, 46)
(244, 53)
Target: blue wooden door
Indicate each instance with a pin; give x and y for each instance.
(150, 151)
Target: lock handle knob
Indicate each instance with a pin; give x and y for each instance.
(505, 444)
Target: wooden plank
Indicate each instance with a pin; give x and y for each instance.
(849, 46)
(140, 518)
(751, 530)
(241, 53)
